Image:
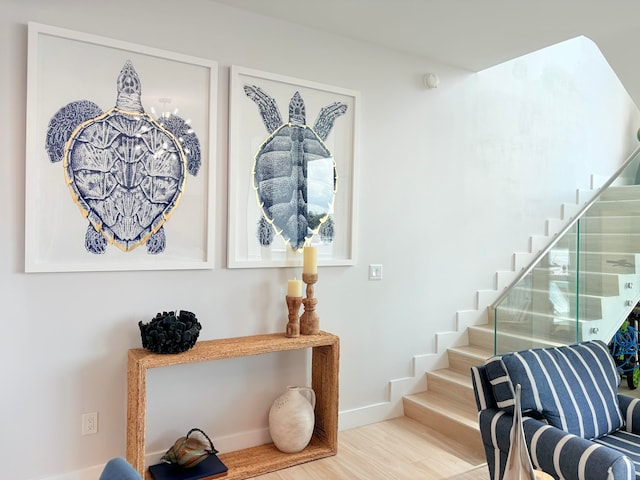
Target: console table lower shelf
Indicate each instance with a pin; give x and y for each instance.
(262, 459)
(254, 461)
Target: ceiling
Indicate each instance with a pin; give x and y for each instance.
(473, 34)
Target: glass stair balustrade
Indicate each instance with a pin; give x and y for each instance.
(585, 283)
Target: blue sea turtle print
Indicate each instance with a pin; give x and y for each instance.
(126, 170)
(294, 173)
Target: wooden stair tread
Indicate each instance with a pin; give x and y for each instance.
(528, 338)
(539, 342)
(444, 404)
(453, 376)
(487, 329)
(487, 326)
(473, 351)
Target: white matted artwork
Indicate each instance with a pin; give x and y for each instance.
(284, 192)
(120, 155)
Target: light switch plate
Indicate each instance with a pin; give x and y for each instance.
(375, 271)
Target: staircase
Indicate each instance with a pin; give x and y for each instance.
(582, 286)
(448, 406)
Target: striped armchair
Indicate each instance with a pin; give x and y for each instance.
(577, 426)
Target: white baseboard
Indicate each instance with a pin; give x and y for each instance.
(91, 473)
(361, 416)
(347, 420)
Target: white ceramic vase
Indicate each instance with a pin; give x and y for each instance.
(291, 419)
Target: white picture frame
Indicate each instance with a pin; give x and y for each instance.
(247, 131)
(66, 66)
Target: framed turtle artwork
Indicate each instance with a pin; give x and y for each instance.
(292, 159)
(120, 148)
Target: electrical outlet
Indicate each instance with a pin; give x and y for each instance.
(89, 423)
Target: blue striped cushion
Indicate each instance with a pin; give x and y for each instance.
(573, 387)
(482, 388)
(503, 392)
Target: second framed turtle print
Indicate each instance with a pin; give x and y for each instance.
(292, 157)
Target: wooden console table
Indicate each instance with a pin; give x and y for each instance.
(253, 461)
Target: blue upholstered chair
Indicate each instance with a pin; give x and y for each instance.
(119, 469)
(577, 426)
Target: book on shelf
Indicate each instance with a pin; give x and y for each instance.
(212, 467)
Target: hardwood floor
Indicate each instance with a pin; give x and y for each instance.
(398, 449)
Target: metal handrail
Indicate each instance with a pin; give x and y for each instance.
(525, 271)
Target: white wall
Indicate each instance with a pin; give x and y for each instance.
(450, 183)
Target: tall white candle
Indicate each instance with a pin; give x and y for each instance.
(310, 265)
(294, 288)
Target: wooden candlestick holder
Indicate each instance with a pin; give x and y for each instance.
(310, 321)
(293, 326)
